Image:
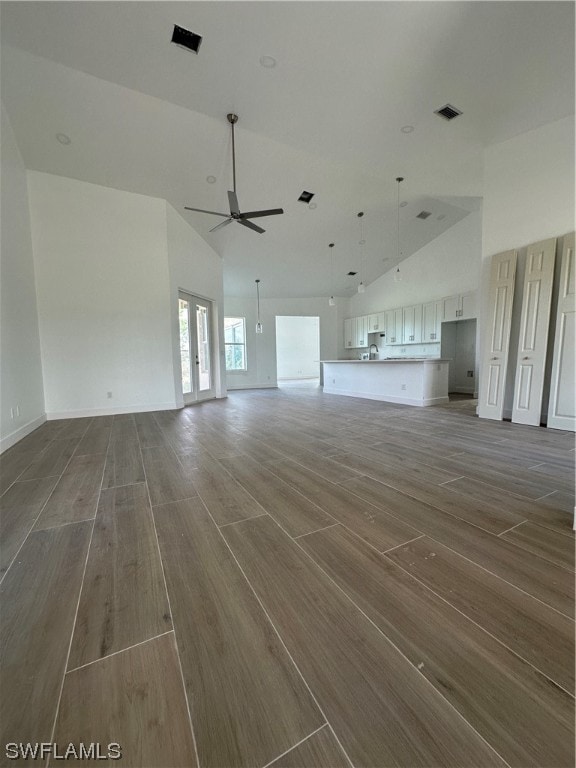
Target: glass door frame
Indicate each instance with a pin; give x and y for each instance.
(194, 348)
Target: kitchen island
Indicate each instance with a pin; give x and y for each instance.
(408, 381)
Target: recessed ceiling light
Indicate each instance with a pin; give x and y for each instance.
(63, 139)
(407, 128)
(362, 242)
(313, 206)
(210, 179)
(267, 61)
(403, 204)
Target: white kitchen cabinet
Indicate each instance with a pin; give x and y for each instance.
(356, 332)
(394, 330)
(350, 333)
(362, 331)
(376, 322)
(431, 321)
(461, 307)
(412, 324)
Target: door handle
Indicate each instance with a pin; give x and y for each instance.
(493, 358)
(525, 358)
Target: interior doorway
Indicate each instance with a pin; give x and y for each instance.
(195, 320)
(297, 350)
(459, 346)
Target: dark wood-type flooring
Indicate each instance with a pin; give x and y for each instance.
(287, 578)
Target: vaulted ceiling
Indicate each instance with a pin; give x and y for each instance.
(147, 116)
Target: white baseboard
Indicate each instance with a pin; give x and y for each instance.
(252, 386)
(18, 434)
(112, 411)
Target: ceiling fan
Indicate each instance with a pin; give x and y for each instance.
(235, 213)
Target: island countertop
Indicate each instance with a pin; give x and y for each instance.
(408, 380)
(395, 360)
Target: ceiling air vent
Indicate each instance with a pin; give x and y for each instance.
(448, 112)
(305, 197)
(351, 274)
(423, 215)
(186, 39)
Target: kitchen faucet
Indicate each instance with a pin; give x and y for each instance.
(372, 355)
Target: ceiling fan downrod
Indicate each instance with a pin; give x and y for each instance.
(233, 119)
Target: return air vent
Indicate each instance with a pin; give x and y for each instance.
(423, 215)
(305, 197)
(448, 112)
(186, 39)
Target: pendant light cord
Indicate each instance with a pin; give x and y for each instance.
(399, 179)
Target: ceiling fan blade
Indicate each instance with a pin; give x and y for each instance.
(256, 214)
(201, 210)
(233, 200)
(250, 225)
(222, 224)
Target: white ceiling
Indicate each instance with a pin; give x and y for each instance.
(149, 117)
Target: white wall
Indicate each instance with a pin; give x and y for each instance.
(528, 196)
(261, 348)
(448, 265)
(298, 347)
(21, 370)
(103, 297)
(194, 267)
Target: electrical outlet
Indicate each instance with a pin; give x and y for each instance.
(17, 410)
(108, 395)
(403, 386)
(333, 381)
(470, 374)
(11, 413)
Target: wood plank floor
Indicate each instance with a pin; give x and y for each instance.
(287, 578)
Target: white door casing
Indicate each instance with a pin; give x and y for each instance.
(497, 335)
(561, 409)
(534, 324)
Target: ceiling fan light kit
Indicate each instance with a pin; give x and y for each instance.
(235, 213)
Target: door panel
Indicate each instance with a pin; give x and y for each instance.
(534, 323)
(195, 348)
(497, 335)
(561, 409)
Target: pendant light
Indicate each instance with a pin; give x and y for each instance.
(331, 300)
(361, 287)
(259, 328)
(397, 275)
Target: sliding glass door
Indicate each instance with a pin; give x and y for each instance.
(194, 315)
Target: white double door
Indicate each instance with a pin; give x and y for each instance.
(196, 353)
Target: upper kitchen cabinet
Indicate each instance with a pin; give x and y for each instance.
(350, 332)
(412, 324)
(362, 331)
(377, 323)
(431, 320)
(461, 307)
(356, 332)
(394, 326)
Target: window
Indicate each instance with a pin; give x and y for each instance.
(235, 343)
